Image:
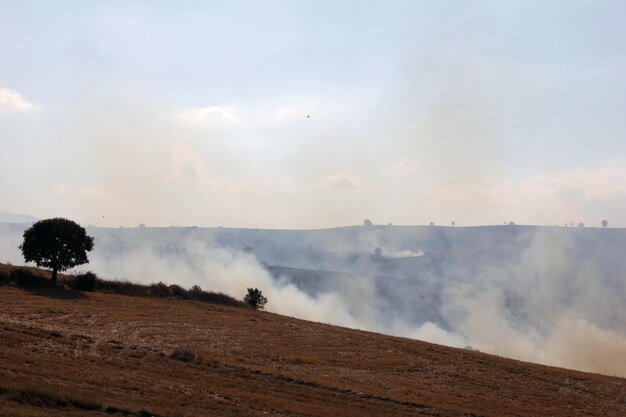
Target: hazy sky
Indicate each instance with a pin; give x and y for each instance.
(195, 113)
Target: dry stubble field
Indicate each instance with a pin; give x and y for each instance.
(70, 353)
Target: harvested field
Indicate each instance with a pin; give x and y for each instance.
(69, 353)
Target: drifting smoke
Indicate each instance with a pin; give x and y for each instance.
(222, 270)
(557, 302)
(251, 158)
(352, 304)
(403, 254)
(551, 307)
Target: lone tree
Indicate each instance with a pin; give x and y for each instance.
(56, 243)
(255, 299)
(605, 223)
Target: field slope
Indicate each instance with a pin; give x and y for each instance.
(70, 353)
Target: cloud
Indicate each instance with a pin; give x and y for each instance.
(64, 189)
(404, 166)
(343, 182)
(187, 168)
(586, 195)
(293, 111)
(213, 116)
(13, 102)
(606, 181)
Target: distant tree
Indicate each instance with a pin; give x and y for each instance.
(453, 223)
(367, 223)
(255, 299)
(511, 223)
(432, 224)
(581, 224)
(378, 252)
(605, 223)
(56, 243)
(142, 225)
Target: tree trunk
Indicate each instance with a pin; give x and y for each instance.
(54, 275)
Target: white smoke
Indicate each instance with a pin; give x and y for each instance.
(231, 272)
(565, 312)
(548, 306)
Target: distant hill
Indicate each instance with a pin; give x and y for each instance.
(70, 353)
(6, 217)
(551, 295)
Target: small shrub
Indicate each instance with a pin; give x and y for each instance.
(85, 282)
(217, 298)
(255, 299)
(122, 287)
(160, 290)
(178, 291)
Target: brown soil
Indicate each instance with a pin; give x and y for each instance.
(70, 353)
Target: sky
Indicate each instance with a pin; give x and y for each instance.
(275, 114)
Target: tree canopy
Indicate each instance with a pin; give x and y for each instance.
(56, 243)
(255, 299)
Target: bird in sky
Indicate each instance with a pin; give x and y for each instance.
(308, 116)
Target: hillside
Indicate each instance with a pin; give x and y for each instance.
(6, 217)
(70, 353)
(549, 295)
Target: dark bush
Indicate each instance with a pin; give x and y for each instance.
(255, 299)
(178, 291)
(24, 278)
(85, 282)
(32, 278)
(122, 287)
(218, 298)
(160, 290)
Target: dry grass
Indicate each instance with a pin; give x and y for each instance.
(109, 354)
(36, 279)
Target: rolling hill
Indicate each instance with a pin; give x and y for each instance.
(71, 353)
(550, 295)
